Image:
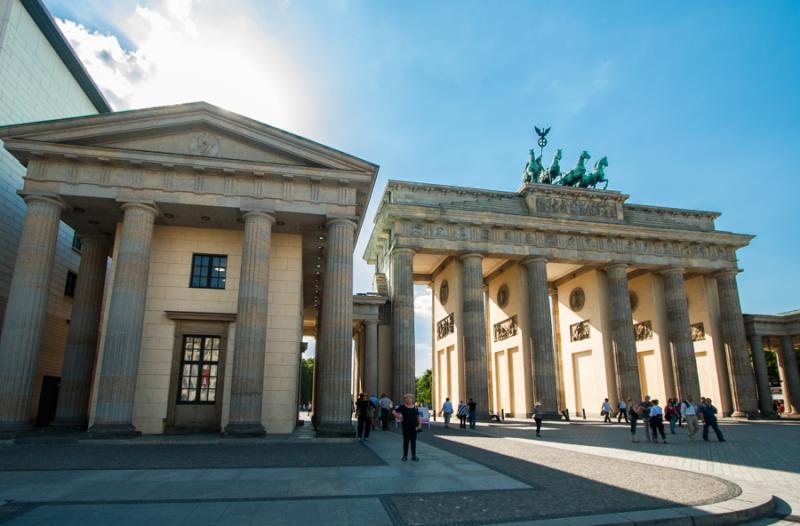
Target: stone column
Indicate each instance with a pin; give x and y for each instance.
(680, 334)
(371, 357)
(26, 311)
(791, 386)
(762, 376)
(250, 341)
(73, 395)
(562, 399)
(540, 325)
(402, 323)
(335, 370)
(743, 385)
(474, 330)
(626, 361)
(123, 339)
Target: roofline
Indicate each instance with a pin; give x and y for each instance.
(47, 25)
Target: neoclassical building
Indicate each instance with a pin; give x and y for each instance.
(566, 297)
(228, 239)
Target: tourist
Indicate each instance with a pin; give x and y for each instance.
(633, 413)
(462, 415)
(689, 413)
(385, 405)
(364, 411)
(408, 416)
(375, 413)
(622, 411)
(645, 405)
(447, 411)
(473, 412)
(657, 422)
(709, 414)
(671, 414)
(606, 411)
(537, 417)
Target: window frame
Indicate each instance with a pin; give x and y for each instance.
(199, 363)
(207, 271)
(70, 284)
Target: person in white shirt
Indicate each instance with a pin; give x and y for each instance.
(606, 411)
(385, 406)
(622, 411)
(689, 414)
(447, 411)
(657, 422)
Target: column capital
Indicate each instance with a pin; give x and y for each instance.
(726, 273)
(673, 270)
(93, 238)
(534, 259)
(470, 255)
(147, 207)
(403, 250)
(53, 199)
(341, 221)
(615, 265)
(249, 214)
(370, 322)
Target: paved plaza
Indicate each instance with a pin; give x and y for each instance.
(498, 474)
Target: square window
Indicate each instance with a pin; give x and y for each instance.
(208, 271)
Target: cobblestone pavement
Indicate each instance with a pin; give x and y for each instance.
(757, 454)
(496, 474)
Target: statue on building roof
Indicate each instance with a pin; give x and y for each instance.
(535, 172)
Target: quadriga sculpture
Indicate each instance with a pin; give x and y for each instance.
(574, 176)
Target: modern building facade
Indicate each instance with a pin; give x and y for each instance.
(40, 79)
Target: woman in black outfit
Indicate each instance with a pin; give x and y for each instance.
(409, 419)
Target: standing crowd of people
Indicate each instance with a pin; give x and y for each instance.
(676, 412)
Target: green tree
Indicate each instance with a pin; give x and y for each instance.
(306, 380)
(424, 383)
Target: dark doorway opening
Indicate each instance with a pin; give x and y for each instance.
(48, 398)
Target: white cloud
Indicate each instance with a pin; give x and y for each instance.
(423, 307)
(187, 51)
(422, 358)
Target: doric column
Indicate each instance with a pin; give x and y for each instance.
(624, 346)
(762, 376)
(26, 311)
(743, 385)
(791, 387)
(474, 330)
(123, 339)
(402, 323)
(335, 369)
(541, 330)
(250, 341)
(79, 353)
(680, 334)
(371, 357)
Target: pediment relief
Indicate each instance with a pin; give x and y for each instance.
(205, 142)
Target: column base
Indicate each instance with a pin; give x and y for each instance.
(244, 430)
(12, 429)
(67, 425)
(752, 415)
(335, 430)
(100, 431)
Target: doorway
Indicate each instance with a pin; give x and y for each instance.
(48, 399)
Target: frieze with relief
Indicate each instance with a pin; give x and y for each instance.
(643, 331)
(698, 332)
(445, 326)
(505, 329)
(579, 331)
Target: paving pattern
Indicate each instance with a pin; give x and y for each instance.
(495, 475)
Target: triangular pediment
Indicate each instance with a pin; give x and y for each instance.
(188, 130)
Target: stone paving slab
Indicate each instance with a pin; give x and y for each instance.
(87, 456)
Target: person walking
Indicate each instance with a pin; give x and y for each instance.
(447, 411)
(385, 405)
(657, 422)
(537, 417)
(606, 411)
(364, 410)
(633, 414)
(408, 416)
(646, 405)
(671, 414)
(709, 414)
(462, 415)
(376, 417)
(689, 413)
(622, 411)
(473, 412)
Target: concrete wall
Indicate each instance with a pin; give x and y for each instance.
(654, 353)
(449, 380)
(34, 85)
(168, 289)
(512, 390)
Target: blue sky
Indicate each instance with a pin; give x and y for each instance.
(695, 105)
